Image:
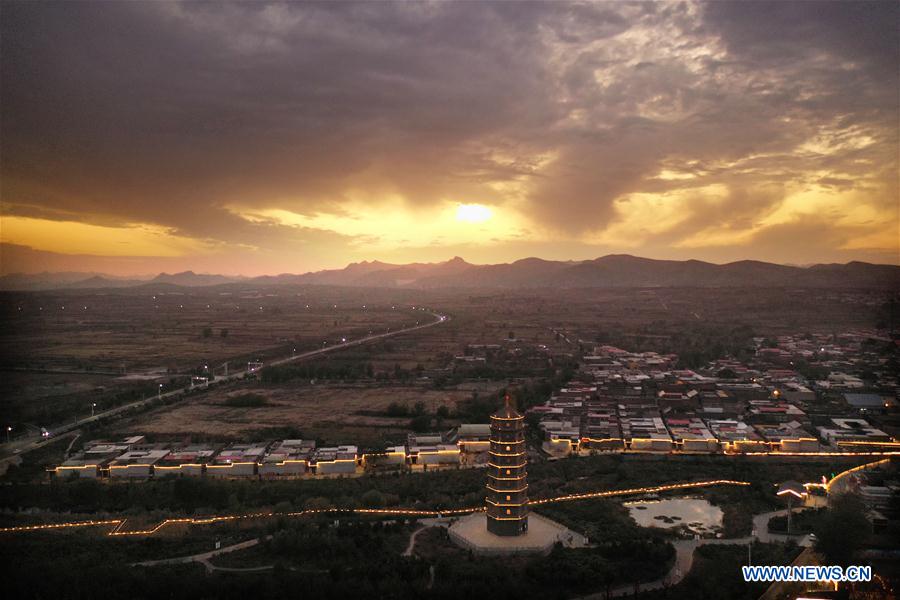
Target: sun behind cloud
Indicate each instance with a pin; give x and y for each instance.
(473, 213)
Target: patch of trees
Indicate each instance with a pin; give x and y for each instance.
(716, 571)
(620, 562)
(802, 521)
(358, 561)
(843, 530)
(248, 400)
(325, 370)
(695, 342)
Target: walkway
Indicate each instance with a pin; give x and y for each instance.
(412, 540)
(203, 558)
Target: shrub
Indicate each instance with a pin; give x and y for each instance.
(246, 401)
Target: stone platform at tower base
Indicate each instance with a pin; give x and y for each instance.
(471, 532)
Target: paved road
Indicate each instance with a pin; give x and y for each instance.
(27, 444)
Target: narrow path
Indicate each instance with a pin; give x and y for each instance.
(72, 443)
(412, 541)
(424, 524)
(203, 558)
(684, 559)
(211, 567)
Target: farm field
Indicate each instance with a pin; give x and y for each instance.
(125, 333)
(64, 351)
(337, 413)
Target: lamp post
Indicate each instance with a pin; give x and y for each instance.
(790, 510)
(8, 429)
(792, 490)
(159, 392)
(93, 406)
(750, 547)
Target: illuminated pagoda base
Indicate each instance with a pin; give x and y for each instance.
(471, 532)
(506, 526)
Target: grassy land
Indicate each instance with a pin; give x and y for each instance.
(562, 574)
(599, 520)
(716, 573)
(317, 544)
(35, 463)
(247, 400)
(802, 521)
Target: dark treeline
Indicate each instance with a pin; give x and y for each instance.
(695, 343)
(344, 370)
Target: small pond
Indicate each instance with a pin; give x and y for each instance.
(696, 514)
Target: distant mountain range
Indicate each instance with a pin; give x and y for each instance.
(74, 280)
(615, 270)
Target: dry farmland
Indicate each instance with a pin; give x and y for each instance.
(63, 351)
(336, 413)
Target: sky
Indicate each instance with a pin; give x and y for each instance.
(253, 138)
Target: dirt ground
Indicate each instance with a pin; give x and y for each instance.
(329, 411)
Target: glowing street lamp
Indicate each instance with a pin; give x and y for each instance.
(8, 429)
(159, 392)
(93, 406)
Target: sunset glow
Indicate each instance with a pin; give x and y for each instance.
(661, 130)
(473, 213)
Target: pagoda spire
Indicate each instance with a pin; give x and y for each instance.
(507, 488)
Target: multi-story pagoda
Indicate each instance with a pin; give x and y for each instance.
(507, 487)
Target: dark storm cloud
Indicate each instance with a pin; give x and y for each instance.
(169, 113)
(777, 32)
(143, 110)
